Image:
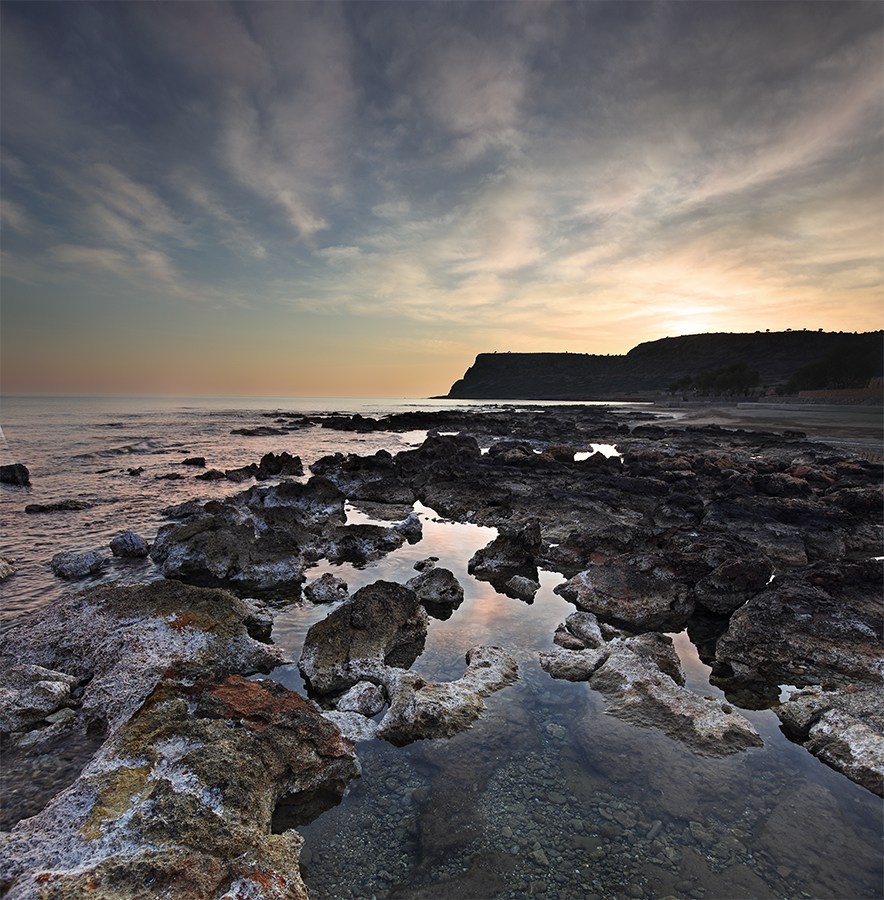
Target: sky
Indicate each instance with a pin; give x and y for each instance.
(354, 199)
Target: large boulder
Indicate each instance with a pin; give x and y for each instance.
(513, 552)
(71, 565)
(644, 592)
(128, 544)
(328, 588)
(382, 624)
(821, 624)
(179, 802)
(844, 728)
(122, 639)
(438, 590)
(15, 473)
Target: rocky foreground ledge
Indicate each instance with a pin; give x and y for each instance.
(762, 546)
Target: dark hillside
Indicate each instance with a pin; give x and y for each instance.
(653, 366)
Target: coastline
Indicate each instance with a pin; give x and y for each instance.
(675, 529)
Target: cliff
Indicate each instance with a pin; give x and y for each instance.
(651, 367)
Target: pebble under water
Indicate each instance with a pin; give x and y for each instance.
(548, 796)
(544, 796)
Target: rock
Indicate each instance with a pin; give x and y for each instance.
(70, 564)
(29, 693)
(259, 431)
(15, 473)
(364, 698)
(59, 506)
(733, 582)
(572, 665)
(352, 725)
(522, 588)
(129, 544)
(361, 544)
(644, 592)
(585, 627)
(136, 471)
(179, 802)
(642, 679)
(438, 590)
(258, 541)
(424, 709)
(512, 552)
(195, 461)
(327, 588)
(7, 569)
(122, 639)
(822, 623)
(273, 465)
(843, 728)
(382, 624)
(211, 475)
(422, 565)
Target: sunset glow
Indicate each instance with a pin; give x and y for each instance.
(356, 199)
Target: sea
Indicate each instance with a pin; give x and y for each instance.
(546, 796)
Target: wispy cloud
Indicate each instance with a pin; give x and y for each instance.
(527, 174)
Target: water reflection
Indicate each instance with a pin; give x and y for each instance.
(547, 795)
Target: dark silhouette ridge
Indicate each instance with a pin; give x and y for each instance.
(652, 367)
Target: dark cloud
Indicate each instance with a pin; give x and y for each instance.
(484, 165)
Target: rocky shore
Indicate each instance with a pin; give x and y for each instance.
(765, 547)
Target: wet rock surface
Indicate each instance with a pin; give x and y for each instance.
(382, 624)
(423, 709)
(684, 530)
(118, 641)
(72, 565)
(182, 796)
(822, 623)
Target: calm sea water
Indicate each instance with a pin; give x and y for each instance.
(546, 796)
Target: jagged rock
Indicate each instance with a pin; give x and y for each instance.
(438, 590)
(258, 541)
(7, 569)
(363, 543)
(179, 802)
(843, 728)
(382, 624)
(422, 565)
(364, 698)
(522, 588)
(643, 592)
(15, 473)
(643, 681)
(211, 475)
(585, 626)
(273, 465)
(70, 565)
(29, 693)
(424, 709)
(819, 624)
(730, 584)
(572, 665)
(128, 543)
(327, 588)
(513, 552)
(123, 638)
